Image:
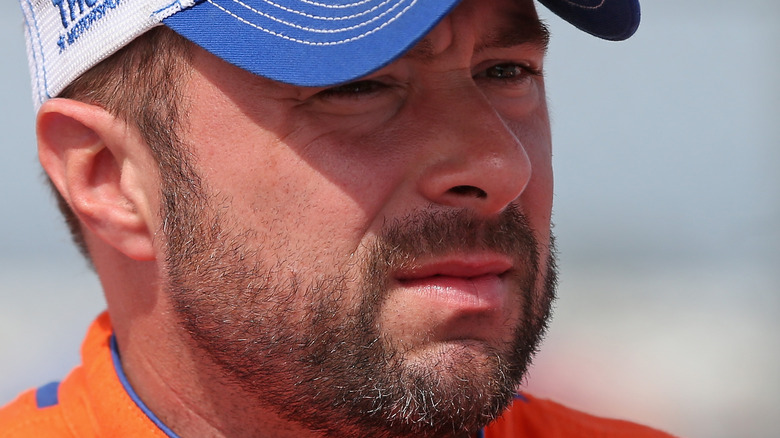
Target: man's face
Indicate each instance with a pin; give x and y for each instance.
(374, 256)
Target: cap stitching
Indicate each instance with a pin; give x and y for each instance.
(312, 43)
(585, 7)
(167, 10)
(348, 5)
(318, 17)
(44, 93)
(309, 29)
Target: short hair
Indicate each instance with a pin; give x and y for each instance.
(141, 83)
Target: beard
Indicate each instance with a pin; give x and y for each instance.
(308, 344)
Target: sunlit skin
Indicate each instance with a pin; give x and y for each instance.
(359, 155)
(459, 123)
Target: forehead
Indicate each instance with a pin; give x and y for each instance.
(486, 23)
(494, 23)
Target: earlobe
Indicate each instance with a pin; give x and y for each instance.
(98, 164)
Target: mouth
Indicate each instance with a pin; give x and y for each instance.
(470, 282)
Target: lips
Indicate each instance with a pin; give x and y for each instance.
(472, 265)
(473, 282)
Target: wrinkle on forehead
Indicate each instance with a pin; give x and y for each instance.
(511, 28)
(522, 30)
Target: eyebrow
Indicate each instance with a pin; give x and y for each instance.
(520, 29)
(524, 30)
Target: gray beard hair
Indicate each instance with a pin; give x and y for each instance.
(312, 352)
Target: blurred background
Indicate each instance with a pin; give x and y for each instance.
(667, 214)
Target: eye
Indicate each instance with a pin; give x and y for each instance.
(515, 88)
(511, 72)
(353, 90)
(363, 97)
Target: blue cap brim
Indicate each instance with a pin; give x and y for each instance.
(326, 42)
(613, 20)
(313, 45)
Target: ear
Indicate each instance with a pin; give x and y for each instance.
(104, 170)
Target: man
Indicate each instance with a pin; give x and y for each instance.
(308, 218)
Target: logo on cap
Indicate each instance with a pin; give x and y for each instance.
(78, 16)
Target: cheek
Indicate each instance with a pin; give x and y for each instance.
(306, 189)
(304, 206)
(537, 198)
(345, 178)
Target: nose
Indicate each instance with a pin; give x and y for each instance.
(473, 159)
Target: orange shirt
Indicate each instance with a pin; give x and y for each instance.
(95, 400)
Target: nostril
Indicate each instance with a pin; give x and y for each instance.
(468, 191)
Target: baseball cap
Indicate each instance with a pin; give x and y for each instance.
(301, 42)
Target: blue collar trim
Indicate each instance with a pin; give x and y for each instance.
(129, 389)
(46, 396)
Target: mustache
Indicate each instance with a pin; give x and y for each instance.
(426, 233)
